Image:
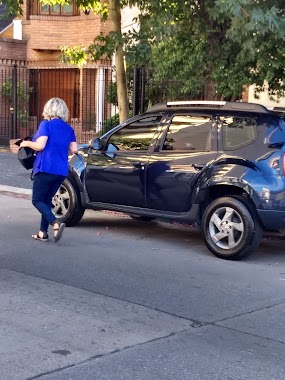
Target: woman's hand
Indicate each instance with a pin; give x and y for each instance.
(24, 144)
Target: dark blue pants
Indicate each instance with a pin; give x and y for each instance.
(45, 186)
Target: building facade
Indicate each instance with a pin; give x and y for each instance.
(31, 65)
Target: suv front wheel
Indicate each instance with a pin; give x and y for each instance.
(230, 231)
(66, 204)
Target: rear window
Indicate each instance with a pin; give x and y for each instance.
(238, 131)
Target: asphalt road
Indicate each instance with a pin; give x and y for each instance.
(119, 299)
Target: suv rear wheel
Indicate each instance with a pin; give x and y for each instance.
(230, 231)
(66, 204)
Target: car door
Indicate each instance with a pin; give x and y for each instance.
(185, 146)
(116, 174)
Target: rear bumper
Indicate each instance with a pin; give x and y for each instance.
(272, 219)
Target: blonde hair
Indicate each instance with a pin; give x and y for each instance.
(56, 107)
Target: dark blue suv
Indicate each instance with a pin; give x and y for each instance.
(219, 165)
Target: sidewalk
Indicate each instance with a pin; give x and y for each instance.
(52, 315)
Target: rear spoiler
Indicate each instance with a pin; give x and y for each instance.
(278, 110)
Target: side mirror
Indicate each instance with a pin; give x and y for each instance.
(95, 144)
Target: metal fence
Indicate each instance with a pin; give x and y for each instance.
(90, 94)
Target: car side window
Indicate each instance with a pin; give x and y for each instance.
(189, 132)
(238, 132)
(135, 136)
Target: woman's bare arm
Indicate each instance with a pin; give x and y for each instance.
(73, 148)
(37, 145)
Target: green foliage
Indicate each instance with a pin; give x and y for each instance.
(256, 17)
(213, 47)
(111, 122)
(23, 91)
(23, 94)
(218, 46)
(76, 55)
(14, 7)
(104, 45)
(112, 96)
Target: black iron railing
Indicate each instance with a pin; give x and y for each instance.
(90, 94)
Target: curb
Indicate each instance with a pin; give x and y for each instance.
(6, 150)
(16, 192)
(10, 148)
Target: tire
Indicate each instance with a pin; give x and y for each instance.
(230, 230)
(66, 204)
(142, 218)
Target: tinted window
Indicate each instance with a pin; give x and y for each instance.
(238, 132)
(189, 132)
(137, 135)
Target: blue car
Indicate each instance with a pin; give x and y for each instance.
(219, 165)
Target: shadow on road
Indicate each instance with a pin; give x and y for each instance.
(180, 235)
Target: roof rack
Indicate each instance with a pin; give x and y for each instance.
(195, 103)
(227, 106)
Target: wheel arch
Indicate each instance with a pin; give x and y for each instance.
(230, 230)
(76, 171)
(209, 193)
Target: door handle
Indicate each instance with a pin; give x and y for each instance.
(198, 166)
(139, 165)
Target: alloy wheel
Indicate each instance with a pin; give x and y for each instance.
(226, 228)
(61, 202)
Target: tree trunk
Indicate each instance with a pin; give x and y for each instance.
(123, 103)
(209, 90)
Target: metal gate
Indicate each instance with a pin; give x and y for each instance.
(90, 94)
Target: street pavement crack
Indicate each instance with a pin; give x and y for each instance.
(247, 313)
(91, 358)
(248, 333)
(218, 323)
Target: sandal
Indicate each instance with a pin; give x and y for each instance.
(58, 231)
(41, 238)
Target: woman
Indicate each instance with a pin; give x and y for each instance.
(53, 141)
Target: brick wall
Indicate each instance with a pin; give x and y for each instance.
(40, 48)
(46, 34)
(12, 50)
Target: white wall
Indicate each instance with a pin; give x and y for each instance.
(128, 14)
(17, 32)
(264, 99)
